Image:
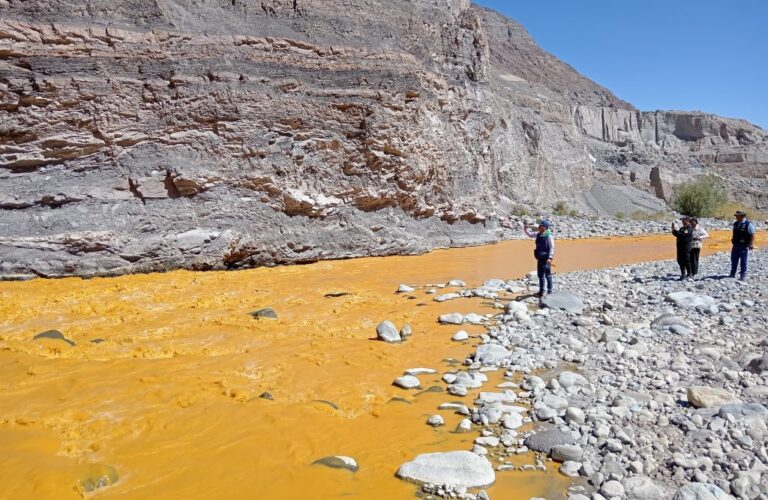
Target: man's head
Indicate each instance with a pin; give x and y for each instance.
(694, 221)
(740, 216)
(544, 225)
(685, 220)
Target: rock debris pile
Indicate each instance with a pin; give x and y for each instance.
(643, 386)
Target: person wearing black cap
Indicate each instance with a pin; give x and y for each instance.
(684, 237)
(544, 253)
(743, 241)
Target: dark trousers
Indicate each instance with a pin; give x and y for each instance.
(684, 260)
(544, 272)
(739, 255)
(695, 252)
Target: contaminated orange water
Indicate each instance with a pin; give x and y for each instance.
(168, 395)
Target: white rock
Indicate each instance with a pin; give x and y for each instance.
(435, 420)
(407, 382)
(405, 289)
(491, 354)
(460, 468)
(451, 319)
(460, 336)
(419, 371)
(512, 421)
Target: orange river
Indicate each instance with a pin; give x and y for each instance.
(169, 400)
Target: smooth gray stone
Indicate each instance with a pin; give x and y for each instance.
(563, 300)
(53, 335)
(387, 332)
(338, 462)
(545, 441)
(266, 312)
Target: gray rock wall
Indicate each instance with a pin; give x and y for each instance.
(149, 135)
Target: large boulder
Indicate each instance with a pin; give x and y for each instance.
(460, 468)
(563, 300)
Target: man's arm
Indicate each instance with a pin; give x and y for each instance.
(551, 247)
(751, 231)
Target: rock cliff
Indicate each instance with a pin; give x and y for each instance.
(146, 135)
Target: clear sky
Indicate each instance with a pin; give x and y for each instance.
(703, 55)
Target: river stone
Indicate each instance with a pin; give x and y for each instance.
(701, 491)
(435, 420)
(565, 452)
(759, 364)
(611, 489)
(563, 300)
(455, 282)
(740, 410)
(644, 488)
(570, 469)
(387, 332)
(514, 307)
(669, 319)
(569, 379)
(491, 354)
(406, 331)
(512, 421)
(407, 382)
(459, 468)
(405, 289)
(53, 335)
(545, 441)
(97, 476)
(689, 300)
(702, 396)
(459, 336)
(266, 312)
(451, 319)
(419, 371)
(338, 462)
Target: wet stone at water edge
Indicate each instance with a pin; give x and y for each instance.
(266, 312)
(97, 476)
(338, 462)
(54, 335)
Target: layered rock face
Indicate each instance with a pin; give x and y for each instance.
(153, 134)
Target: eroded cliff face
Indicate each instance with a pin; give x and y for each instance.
(150, 134)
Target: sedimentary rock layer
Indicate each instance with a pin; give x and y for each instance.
(152, 134)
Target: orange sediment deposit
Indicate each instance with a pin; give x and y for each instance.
(156, 387)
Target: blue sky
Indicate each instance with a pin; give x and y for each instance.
(704, 55)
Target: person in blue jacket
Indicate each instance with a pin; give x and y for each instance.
(743, 241)
(544, 253)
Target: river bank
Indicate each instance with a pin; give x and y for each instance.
(639, 385)
(174, 399)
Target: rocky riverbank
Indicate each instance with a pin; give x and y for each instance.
(635, 384)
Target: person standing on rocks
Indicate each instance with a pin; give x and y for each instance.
(684, 237)
(743, 241)
(544, 254)
(699, 233)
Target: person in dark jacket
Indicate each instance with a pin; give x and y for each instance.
(544, 253)
(743, 241)
(684, 237)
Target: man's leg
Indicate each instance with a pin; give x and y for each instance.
(540, 273)
(734, 261)
(548, 271)
(695, 260)
(744, 257)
